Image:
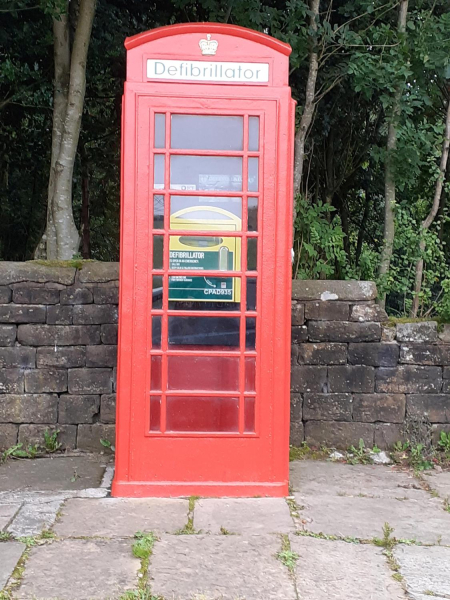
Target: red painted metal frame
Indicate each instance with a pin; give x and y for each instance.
(164, 463)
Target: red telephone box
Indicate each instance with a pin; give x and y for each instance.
(205, 271)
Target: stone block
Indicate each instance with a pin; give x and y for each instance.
(28, 408)
(351, 379)
(58, 335)
(106, 295)
(5, 295)
(368, 312)
(30, 271)
(59, 315)
(343, 331)
(114, 379)
(89, 436)
(435, 406)
(388, 408)
(425, 354)
(90, 381)
(8, 335)
(388, 334)
(322, 353)
(78, 409)
(34, 434)
(388, 434)
(91, 314)
(297, 314)
(327, 311)
(45, 380)
(35, 295)
(296, 424)
(376, 354)
(22, 313)
(327, 407)
(444, 335)
(409, 379)
(99, 272)
(17, 357)
(446, 373)
(338, 434)
(101, 356)
(296, 434)
(308, 379)
(8, 435)
(61, 356)
(76, 295)
(425, 331)
(294, 354)
(299, 334)
(11, 381)
(351, 291)
(108, 408)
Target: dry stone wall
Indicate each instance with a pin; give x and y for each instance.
(352, 376)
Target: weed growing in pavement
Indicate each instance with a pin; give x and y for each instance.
(18, 451)
(386, 541)
(304, 452)
(444, 443)
(286, 555)
(51, 443)
(5, 537)
(359, 455)
(332, 538)
(142, 549)
(188, 529)
(418, 461)
(224, 531)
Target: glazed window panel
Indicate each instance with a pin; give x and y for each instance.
(207, 132)
(202, 414)
(207, 373)
(206, 173)
(160, 130)
(201, 332)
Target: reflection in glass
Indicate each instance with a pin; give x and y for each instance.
(156, 332)
(157, 292)
(253, 174)
(250, 373)
(204, 331)
(209, 373)
(201, 211)
(252, 254)
(202, 414)
(207, 132)
(158, 248)
(160, 130)
(250, 333)
(155, 373)
(206, 173)
(252, 215)
(253, 134)
(158, 211)
(249, 415)
(158, 172)
(251, 293)
(155, 413)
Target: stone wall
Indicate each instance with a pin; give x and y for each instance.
(352, 376)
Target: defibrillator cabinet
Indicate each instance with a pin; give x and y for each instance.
(205, 265)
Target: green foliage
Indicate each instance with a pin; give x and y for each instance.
(359, 455)
(143, 545)
(286, 555)
(418, 460)
(51, 443)
(444, 443)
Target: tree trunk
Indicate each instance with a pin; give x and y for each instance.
(433, 212)
(84, 221)
(362, 226)
(308, 109)
(389, 178)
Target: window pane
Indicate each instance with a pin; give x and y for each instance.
(156, 332)
(157, 292)
(250, 373)
(202, 132)
(158, 211)
(252, 254)
(253, 134)
(251, 293)
(224, 213)
(155, 413)
(253, 174)
(204, 293)
(252, 214)
(250, 333)
(204, 331)
(158, 249)
(202, 414)
(249, 415)
(206, 173)
(160, 130)
(209, 373)
(158, 182)
(155, 373)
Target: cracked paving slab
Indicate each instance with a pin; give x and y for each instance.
(79, 570)
(225, 567)
(121, 517)
(332, 478)
(32, 518)
(7, 512)
(342, 571)
(243, 515)
(439, 482)
(426, 571)
(10, 553)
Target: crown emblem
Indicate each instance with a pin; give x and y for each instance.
(208, 46)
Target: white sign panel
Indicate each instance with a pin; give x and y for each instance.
(196, 70)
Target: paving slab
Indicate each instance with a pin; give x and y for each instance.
(32, 518)
(341, 571)
(311, 477)
(439, 482)
(10, 552)
(226, 567)
(363, 518)
(7, 512)
(79, 570)
(121, 517)
(426, 571)
(53, 473)
(243, 515)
